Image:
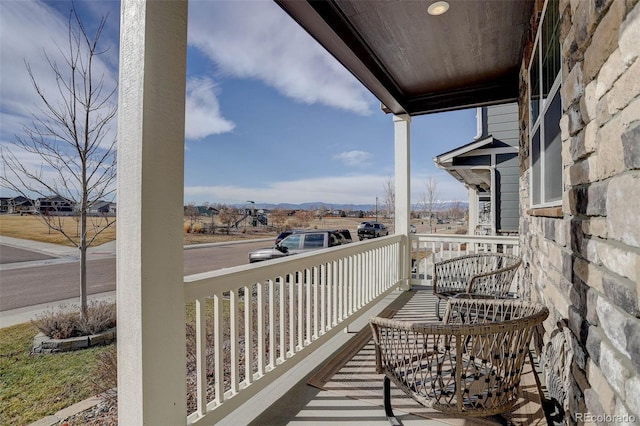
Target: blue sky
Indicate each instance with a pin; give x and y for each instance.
(271, 117)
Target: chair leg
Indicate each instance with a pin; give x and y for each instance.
(438, 309)
(387, 403)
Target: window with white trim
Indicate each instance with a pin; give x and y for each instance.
(545, 109)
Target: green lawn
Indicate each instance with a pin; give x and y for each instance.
(32, 387)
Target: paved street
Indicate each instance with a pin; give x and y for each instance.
(32, 277)
(10, 254)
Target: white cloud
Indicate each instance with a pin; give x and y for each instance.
(203, 117)
(337, 189)
(28, 29)
(354, 158)
(357, 189)
(256, 39)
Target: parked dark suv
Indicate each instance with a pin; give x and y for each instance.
(372, 230)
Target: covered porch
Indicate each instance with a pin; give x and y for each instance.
(297, 304)
(344, 388)
(417, 65)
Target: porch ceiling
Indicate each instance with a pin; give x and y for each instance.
(416, 63)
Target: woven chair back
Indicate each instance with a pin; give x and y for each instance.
(487, 274)
(470, 364)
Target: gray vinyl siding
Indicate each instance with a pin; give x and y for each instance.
(510, 108)
(507, 194)
(502, 123)
(508, 137)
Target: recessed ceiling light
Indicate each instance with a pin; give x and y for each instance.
(438, 8)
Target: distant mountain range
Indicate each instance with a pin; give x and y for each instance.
(445, 205)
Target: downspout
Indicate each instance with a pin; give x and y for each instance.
(479, 122)
(493, 194)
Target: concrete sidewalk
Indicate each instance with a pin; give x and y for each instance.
(104, 249)
(57, 250)
(28, 313)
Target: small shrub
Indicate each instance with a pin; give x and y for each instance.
(187, 227)
(197, 228)
(58, 324)
(66, 321)
(101, 316)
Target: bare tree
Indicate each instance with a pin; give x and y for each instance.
(193, 212)
(278, 218)
(430, 197)
(321, 212)
(70, 135)
(228, 215)
(389, 196)
(304, 217)
(457, 211)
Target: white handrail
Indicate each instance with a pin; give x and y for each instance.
(428, 249)
(268, 316)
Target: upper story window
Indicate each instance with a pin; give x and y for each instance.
(546, 111)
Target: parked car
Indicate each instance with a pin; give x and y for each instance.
(298, 242)
(372, 230)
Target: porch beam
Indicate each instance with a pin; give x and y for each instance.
(150, 294)
(402, 153)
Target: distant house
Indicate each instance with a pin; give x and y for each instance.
(22, 205)
(203, 210)
(55, 205)
(102, 207)
(338, 213)
(4, 204)
(489, 169)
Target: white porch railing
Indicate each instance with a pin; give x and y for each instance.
(254, 322)
(428, 249)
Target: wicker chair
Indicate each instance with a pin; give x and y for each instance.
(468, 365)
(482, 274)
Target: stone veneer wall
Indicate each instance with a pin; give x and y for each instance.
(583, 259)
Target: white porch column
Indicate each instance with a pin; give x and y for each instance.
(402, 143)
(473, 210)
(150, 294)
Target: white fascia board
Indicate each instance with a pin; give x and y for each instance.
(488, 151)
(448, 157)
